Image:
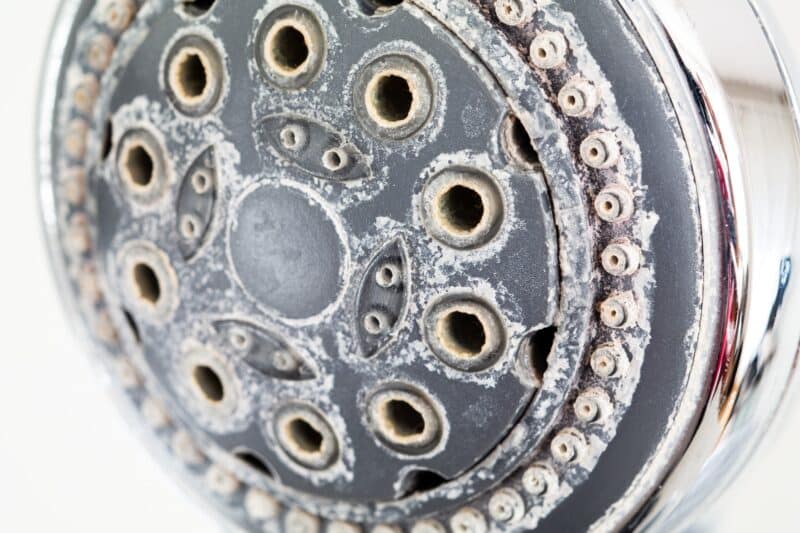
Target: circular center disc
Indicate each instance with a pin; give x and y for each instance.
(286, 251)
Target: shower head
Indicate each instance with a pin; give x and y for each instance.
(434, 265)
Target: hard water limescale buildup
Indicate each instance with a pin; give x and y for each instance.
(367, 266)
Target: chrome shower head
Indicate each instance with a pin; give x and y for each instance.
(431, 265)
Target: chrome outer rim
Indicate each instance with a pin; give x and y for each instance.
(754, 329)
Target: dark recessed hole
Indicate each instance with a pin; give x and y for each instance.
(420, 481)
(197, 8)
(519, 143)
(539, 345)
(392, 98)
(305, 436)
(373, 323)
(289, 48)
(147, 284)
(333, 160)
(387, 276)
(253, 461)
(139, 165)
(209, 382)
(404, 418)
(108, 136)
(385, 4)
(462, 208)
(464, 333)
(134, 327)
(192, 76)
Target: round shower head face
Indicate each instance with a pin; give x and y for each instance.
(425, 267)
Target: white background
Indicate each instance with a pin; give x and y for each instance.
(67, 461)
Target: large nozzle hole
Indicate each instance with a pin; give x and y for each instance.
(463, 333)
(148, 280)
(405, 419)
(214, 386)
(209, 383)
(289, 48)
(192, 76)
(195, 75)
(462, 208)
(139, 165)
(147, 284)
(394, 96)
(391, 98)
(305, 436)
